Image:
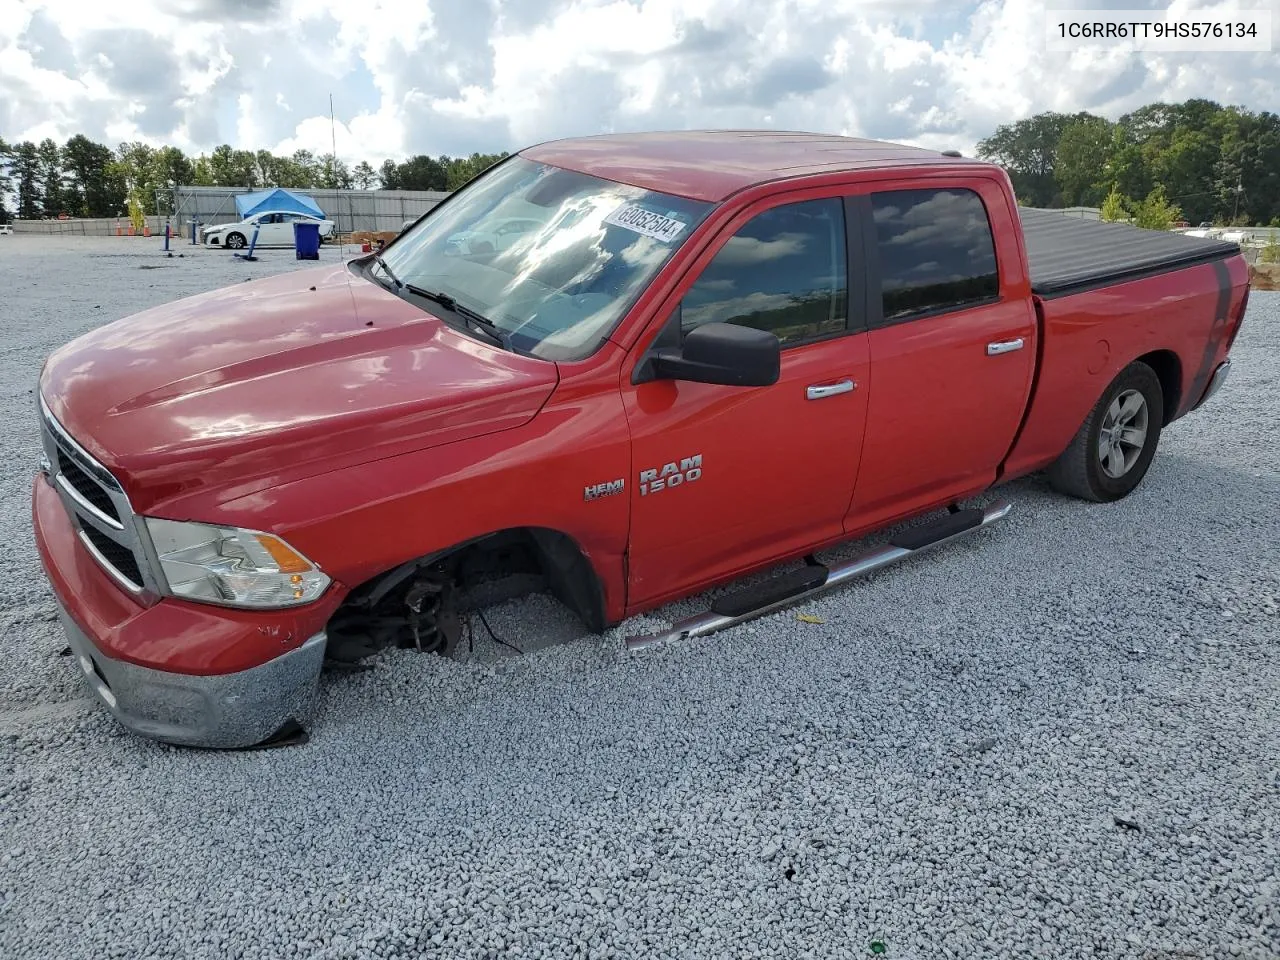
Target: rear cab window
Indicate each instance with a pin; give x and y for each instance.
(936, 252)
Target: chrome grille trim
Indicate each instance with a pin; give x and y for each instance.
(85, 505)
(78, 453)
(84, 514)
(113, 571)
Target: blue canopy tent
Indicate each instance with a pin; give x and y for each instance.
(276, 200)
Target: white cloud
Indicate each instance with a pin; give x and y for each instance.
(453, 76)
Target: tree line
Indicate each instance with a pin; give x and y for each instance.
(81, 178)
(1197, 160)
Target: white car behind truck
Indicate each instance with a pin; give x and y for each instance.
(275, 229)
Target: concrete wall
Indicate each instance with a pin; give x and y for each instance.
(105, 227)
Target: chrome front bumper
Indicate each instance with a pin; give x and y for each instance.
(231, 710)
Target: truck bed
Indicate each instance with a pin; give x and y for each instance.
(1069, 254)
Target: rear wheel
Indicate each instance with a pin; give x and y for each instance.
(235, 240)
(1110, 454)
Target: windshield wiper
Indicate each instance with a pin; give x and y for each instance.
(377, 258)
(477, 321)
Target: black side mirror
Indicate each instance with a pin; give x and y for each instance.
(722, 353)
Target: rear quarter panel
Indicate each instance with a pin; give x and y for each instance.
(1089, 337)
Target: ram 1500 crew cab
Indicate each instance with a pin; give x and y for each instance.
(701, 355)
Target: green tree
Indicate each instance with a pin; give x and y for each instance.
(170, 170)
(461, 170)
(364, 176)
(25, 168)
(389, 174)
(6, 179)
(1028, 150)
(303, 170)
(51, 188)
(1185, 169)
(1116, 206)
(1156, 212)
(1082, 153)
(137, 166)
(202, 172)
(334, 174)
(233, 168)
(266, 168)
(419, 172)
(137, 210)
(89, 177)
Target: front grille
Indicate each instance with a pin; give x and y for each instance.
(116, 554)
(86, 486)
(97, 505)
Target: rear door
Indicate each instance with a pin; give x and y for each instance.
(724, 477)
(952, 343)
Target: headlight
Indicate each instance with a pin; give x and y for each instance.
(233, 567)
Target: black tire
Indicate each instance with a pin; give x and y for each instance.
(235, 240)
(1087, 468)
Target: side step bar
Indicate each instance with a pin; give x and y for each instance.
(815, 578)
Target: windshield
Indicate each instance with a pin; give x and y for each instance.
(551, 257)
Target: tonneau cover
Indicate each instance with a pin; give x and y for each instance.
(1069, 253)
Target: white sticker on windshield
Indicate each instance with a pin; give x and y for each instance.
(646, 222)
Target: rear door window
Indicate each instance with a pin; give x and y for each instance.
(936, 252)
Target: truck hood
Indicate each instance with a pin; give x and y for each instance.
(241, 389)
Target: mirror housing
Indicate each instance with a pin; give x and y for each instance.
(721, 353)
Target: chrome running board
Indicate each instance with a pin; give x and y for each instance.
(815, 578)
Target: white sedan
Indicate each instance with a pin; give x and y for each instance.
(274, 230)
(503, 234)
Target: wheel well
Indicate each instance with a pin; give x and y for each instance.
(492, 568)
(1168, 368)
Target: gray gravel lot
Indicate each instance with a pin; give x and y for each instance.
(945, 763)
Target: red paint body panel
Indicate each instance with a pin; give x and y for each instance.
(713, 165)
(170, 635)
(362, 520)
(258, 384)
(944, 413)
(740, 511)
(367, 433)
(1090, 337)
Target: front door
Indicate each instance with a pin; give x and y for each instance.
(952, 346)
(273, 230)
(724, 478)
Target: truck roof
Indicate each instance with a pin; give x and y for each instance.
(712, 164)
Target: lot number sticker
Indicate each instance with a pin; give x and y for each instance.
(646, 222)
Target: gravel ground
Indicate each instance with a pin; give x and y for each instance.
(1059, 738)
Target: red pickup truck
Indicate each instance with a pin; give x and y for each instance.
(624, 369)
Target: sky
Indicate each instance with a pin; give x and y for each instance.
(458, 76)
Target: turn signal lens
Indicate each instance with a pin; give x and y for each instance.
(287, 559)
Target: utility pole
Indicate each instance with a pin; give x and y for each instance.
(1236, 210)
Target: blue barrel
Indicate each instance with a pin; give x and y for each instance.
(306, 240)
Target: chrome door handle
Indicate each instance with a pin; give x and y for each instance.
(819, 391)
(1003, 346)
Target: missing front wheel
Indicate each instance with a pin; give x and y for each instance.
(420, 614)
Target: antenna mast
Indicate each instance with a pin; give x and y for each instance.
(333, 168)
